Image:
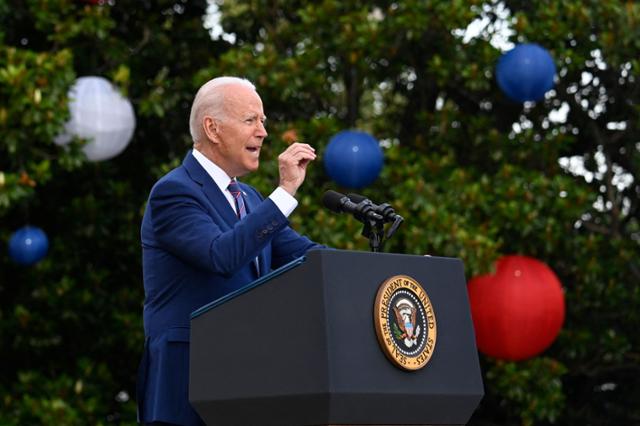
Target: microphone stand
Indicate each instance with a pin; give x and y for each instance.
(373, 217)
(374, 230)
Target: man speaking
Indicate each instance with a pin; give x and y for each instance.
(205, 234)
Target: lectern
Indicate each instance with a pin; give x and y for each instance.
(339, 338)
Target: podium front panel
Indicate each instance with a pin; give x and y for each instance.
(301, 348)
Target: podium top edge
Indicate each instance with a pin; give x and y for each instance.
(297, 262)
(293, 264)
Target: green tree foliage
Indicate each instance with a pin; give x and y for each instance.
(476, 175)
(70, 326)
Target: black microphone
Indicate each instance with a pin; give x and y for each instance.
(339, 203)
(385, 210)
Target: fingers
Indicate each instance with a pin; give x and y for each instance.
(292, 165)
(299, 145)
(298, 153)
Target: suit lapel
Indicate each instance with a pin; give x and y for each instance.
(210, 189)
(220, 202)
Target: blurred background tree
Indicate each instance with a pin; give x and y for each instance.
(70, 326)
(475, 174)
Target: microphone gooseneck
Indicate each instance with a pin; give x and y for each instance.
(385, 210)
(372, 215)
(340, 203)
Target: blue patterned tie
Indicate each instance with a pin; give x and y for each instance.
(235, 190)
(241, 210)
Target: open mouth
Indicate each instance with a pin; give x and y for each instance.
(254, 149)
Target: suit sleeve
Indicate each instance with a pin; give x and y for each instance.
(184, 226)
(288, 245)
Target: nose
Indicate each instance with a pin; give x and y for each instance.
(261, 131)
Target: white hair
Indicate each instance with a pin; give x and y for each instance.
(210, 100)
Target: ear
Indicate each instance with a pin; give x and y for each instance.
(210, 127)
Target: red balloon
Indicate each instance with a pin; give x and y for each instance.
(518, 312)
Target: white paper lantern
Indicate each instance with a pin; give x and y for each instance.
(100, 114)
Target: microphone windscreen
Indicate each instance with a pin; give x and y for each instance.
(333, 200)
(356, 198)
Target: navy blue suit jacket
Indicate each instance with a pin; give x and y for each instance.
(195, 250)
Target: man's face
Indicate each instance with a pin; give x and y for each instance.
(241, 132)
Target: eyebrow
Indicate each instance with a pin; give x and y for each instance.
(255, 115)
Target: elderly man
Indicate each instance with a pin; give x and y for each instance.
(204, 234)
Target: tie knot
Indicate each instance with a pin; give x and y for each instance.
(234, 188)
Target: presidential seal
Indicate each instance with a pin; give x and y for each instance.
(405, 322)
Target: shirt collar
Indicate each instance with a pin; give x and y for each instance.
(218, 175)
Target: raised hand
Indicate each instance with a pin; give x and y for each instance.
(292, 164)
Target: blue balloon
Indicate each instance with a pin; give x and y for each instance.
(353, 159)
(28, 245)
(525, 73)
